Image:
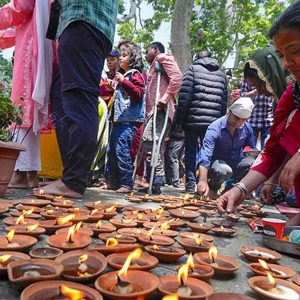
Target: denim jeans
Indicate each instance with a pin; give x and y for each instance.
(264, 134)
(119, 162)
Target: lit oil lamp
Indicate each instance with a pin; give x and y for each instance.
(4, 258)
(183, 289)
(254, 253)
(270, 288)
(165, 254)
(222, 231)
(170, 297)
(71, 293)
(21, 220)
(9, 256)
(16, 242)
(9, 238)
(194, 244)
(212, 253)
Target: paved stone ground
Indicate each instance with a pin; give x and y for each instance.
(226, 246)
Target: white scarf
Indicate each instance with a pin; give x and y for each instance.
(41, 91)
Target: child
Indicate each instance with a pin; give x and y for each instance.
(128, 112)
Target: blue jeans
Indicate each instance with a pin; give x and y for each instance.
(193, 139)
(119, 162)
(74, 99)
(264, 134)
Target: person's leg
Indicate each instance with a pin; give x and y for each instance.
(191, 149)
(242, 168)
(168, 163)
(264, 134)
(218, 173)
(174, 155)
(255, 134)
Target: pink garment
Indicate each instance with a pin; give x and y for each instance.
(169, 84)
(22, 16)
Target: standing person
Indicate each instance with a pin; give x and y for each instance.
(169, 86)
(128, 111)
(221, 155)
(282, 148)
(85, 32)
(202, 100)
(32, 75)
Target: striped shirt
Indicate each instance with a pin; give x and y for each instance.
(101, 14)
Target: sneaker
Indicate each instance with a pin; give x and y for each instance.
(177, 185)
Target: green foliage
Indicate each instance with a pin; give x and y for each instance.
(5, 75)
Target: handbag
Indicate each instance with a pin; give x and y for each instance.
(53, 20)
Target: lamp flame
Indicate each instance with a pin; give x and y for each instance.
(64, 220)
(150, 232)
(71, 233)
(170, 297)
(94, 211)
(155, 247)
(50, 211)
(32, 227)
(28, 212)
(110, 209)
(98, 224)
(263, 264)
(135, 254)
(97, 202)
(21, 220)
(212, 253)
(4, 258)
(165, 226)
(72, 294)
(190, 261)
(41, 192)
(186, 197)
(222, 228)
(183, 273)
(10, 235)
(111, 242)
(124, 221)
(82, 258)
(78, 226)
(271, 279)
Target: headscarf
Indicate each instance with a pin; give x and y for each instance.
(268, 66)
(242, 107)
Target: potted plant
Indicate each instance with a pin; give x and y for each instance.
(9, 151)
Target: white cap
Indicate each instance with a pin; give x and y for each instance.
(242, 107)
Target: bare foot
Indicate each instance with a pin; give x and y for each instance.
(141, 183)
(58, 188)
(18, 180)
(123, 190)
(32, 179)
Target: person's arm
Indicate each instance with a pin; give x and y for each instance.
(250, 137)
(15, 13)
(247, 91)
(7, 38)
(134, 87)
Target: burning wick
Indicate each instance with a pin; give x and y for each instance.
(71, 233)
(82, 268)
(183, 290)
(71, 294)
(4, 258)
(212, 253)
(267, 268)
(9, 238)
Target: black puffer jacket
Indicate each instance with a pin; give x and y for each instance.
(203, 95)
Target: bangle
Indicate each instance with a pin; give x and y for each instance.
(271, 184)
(241, 186)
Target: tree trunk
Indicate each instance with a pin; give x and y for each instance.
(180, 38)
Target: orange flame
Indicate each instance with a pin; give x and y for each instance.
(160, 211)
(124, 221)
(94, 211)
(222, 228)
(111, 242)
(97, 202)
(78, 226)
(190, 261)
(41, 192)
(186, 197)
(4, 258)
(32, 227)
(64, 220)
(71, 233)
(183, 273)
(28, 212)
(10, 235)
(155, 247)
(263, 264)
(82, 258)
(135, 254)
(50, 211)
(170, 297)
(150, 232)
(212, 253)
(72, 294)
(99, 224)
(271, 279)
(164, 226)
(110, 209)
(182, 212)
(21, 220)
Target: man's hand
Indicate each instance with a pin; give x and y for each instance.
(289, 172)
(266, 193)
(202, 187)
(230, 200)
(161, 106)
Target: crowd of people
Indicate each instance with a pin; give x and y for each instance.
(162, 125)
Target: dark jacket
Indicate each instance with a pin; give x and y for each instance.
(203, 95)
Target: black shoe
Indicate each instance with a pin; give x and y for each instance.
(155, 190)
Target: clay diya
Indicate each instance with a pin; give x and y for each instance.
(82, 265)
(123, 223)
(223, 231)
(232, 217)
(121, 238)
(45, 252)
(134, 199)
(9, 221)
(222, 264)
(229, 296)
(296, 279)
(144, 262)
(55, 290)
(26, 272)
(184, 214)
(133, 285)
(277, 271)
(194, 244)
(222, 222)
(135, 232)
(91, 205)
(95, 215)
(177, 223)
(52, 225)
(278, 289)
(253, 253)
(8, 256)
(3, 210)
(52, 213)
(202, 272)
(111, 246)
(150, 225)
(63, 204)
(155, 239)
(16, 242)
(199, 227)
(70, 240)
(36, 209)
(31, 230)
(192, 235)
(164, 253)
(84, 230)
(27, 213)
(35, 202)
(100, 227)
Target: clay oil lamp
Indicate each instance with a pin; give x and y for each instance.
(16, 242)
(70, 241)
(183, 286)
(139, 218)
(121, 238)
(164, 230)
(296, 279)
(134, 199)
(127, 284)
(222, 222)
(3, 210)
(22, 207)
(253, 253)
(271, 288)
(9, 221)
(52, 225)
(222, 264)
(8, 256)
(45, 252)
(143, 262)
(184, 214)
(26, 272)
(277, 271)
(194, 244)
(94, 205)
(176, 223)
(82, 265)
(109, 212)
(202, 272)
(63, 204)
(40, 194)
(116, 205)
(155, 239)
(112, 246)
(229, 296)
(35, 202)
(78, 228)
(135, 232)
(52, 213)
(27, 213)
(193, 235)
(100, 227)
(166, 254)
(223, 231)
(199, 227)
(94, 216)
(150, 225)
(58, 290)
(123, 223)
(31, 230)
